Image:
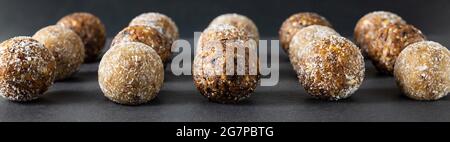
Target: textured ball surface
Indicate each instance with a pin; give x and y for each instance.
(146, 35)
(296, 22)
(209, 68)
(389, 42)
(422, 71)
(90, 29)
(161, 22)
(239, 21)
(27, 69)
(331, 68)
(369, 24)
(131, 73)
(65, 45)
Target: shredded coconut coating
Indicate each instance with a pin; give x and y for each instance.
(296, 22)
(369, 24)
(239, 21)
(90, 29)
(131, 73)
(27, 69)
(209, 68)
(422, 71)
(389, 42)
(66, 46)
(146, 35)
(331, 68)
(306, 36)
(161, 22)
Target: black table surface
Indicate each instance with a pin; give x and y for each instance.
(80, 99)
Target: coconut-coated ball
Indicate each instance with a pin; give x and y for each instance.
(331, 68)
(27, 69)
(65, 45)
(91, 31)
(296, 22)
(239, 21)
(422, 71)
(161, 22)
(389, 42)
(146, 35)
(131, 73)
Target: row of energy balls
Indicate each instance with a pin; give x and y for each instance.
(329, 66)
(30, 65)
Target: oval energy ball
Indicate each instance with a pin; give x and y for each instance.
(369, 24)
(239, 21)
(65, 45)
(161, 22)
(422, 71)
(211, 76)
(90, 29)
(131, 73)
(331, 68)
(306, 36)
(389, 42)
(147, 35)
(296, 22)
(27, 69)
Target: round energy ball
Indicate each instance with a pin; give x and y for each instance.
(159, 21)
(27, 69)
(90, 29)
(147, 35)
(296, 22)
(239, 21)
(422, 71)
(389, 42)
(368, 25)
(211, 76)
(131, 73)
(304, 37)
(331, 68)
(65, 45)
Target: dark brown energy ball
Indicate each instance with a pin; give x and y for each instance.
(131, 73)
(239, 21)
(65, 45)
(211, 76)
(296, 22)
(422, 71)
(331, 68)
(27, 69)
(147, 35)
(388, 44)
(90, 29)
(161, 22)
(368, 25)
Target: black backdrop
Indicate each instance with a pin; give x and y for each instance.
(24, 17)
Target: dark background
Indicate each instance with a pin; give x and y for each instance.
(24, 17)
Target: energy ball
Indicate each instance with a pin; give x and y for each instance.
(65, 45)
(422, 71)
(389, 42)
(306, 36)
(331, 68)
(239, 21)
(159, 21)
(211, 76)
(147, 35)
(27, 69)
(90, 29)
(368, 25)
(131, 73)
(296, 22)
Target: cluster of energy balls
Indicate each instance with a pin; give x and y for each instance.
(328, 66)
(30, 65)
(132, 71)
(421, 68)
